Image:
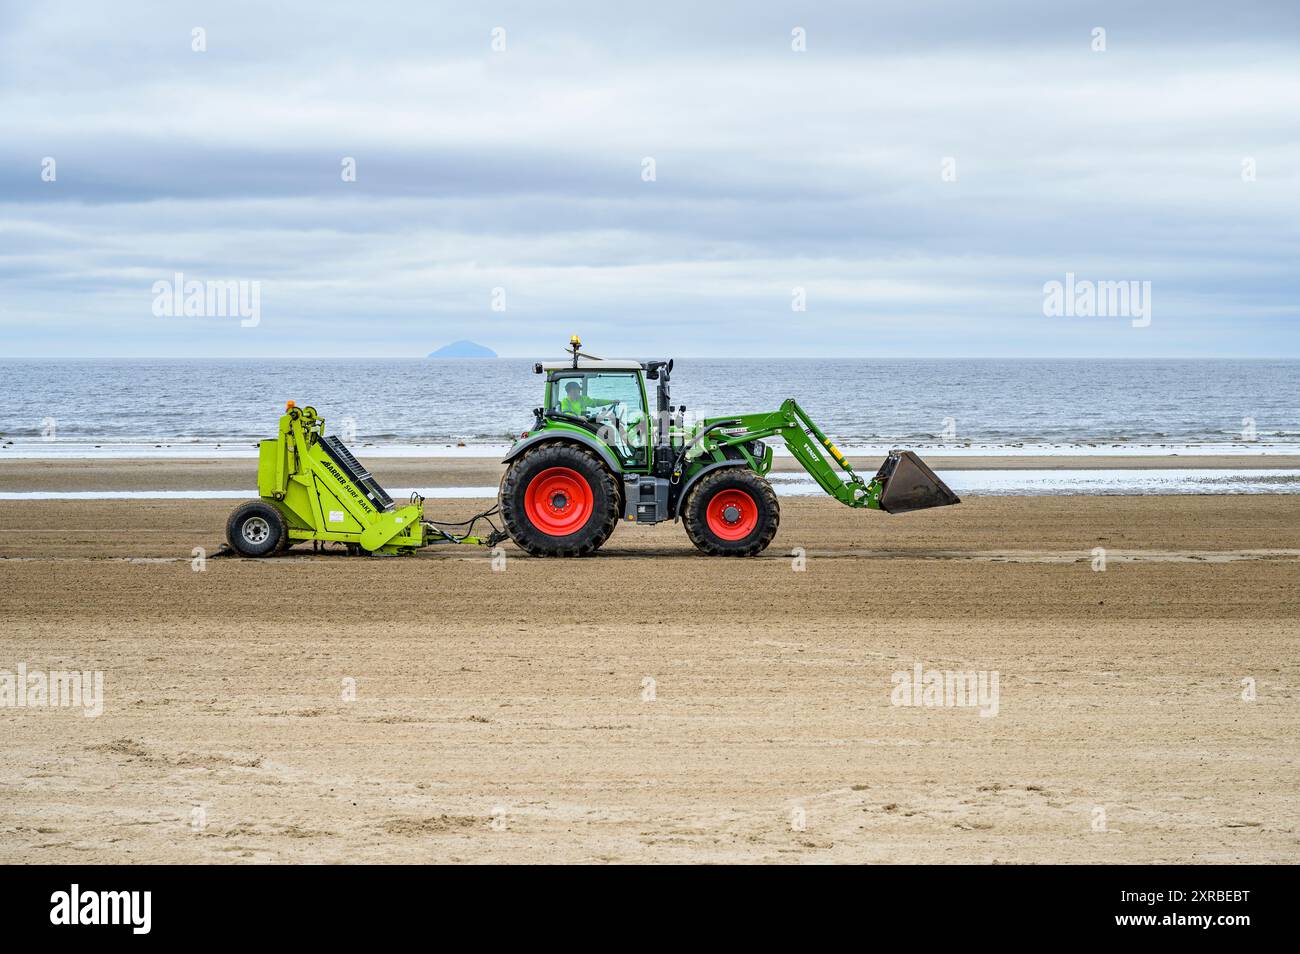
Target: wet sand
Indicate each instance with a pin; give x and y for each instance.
(226, 474)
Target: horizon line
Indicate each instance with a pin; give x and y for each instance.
(688, 357)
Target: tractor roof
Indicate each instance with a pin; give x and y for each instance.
(592, 364)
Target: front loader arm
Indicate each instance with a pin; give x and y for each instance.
(793, 425)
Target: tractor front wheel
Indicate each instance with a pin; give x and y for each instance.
(731, 512)
(559, 500)
(256, 529)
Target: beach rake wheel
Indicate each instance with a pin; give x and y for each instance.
(256, 529)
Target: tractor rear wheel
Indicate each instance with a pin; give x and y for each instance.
(559, 500)
(731, 512)
(255, 529)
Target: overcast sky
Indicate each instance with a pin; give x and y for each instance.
(775, 169)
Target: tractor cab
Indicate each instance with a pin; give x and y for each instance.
(608, 398)
(605, 397)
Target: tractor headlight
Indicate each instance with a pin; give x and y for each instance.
(758, 449)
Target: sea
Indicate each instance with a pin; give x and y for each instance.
(1248, 409)
(432, 406)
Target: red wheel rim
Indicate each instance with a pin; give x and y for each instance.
(558, 501)
(731, 514)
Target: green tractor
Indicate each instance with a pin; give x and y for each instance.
(598, 452)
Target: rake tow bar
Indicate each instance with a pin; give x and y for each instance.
(438, 535)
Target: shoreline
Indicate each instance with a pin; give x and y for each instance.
(141, 474)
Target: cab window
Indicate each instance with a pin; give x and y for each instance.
(609, 400)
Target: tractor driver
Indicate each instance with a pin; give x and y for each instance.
(576, 403)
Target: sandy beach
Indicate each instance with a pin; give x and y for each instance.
(651, 704)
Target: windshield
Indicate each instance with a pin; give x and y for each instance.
(610, 400)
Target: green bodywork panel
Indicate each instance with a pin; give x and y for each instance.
(318, 501)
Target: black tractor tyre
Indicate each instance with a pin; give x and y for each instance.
(731, 512)
(256, 529)
(559, 500)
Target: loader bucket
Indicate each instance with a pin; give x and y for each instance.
(908, 484)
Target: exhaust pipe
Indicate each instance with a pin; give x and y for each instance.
(907, 483)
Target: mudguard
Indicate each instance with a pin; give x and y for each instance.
(573, 437)
(694, 478)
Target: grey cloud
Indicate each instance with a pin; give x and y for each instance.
(774, 169)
